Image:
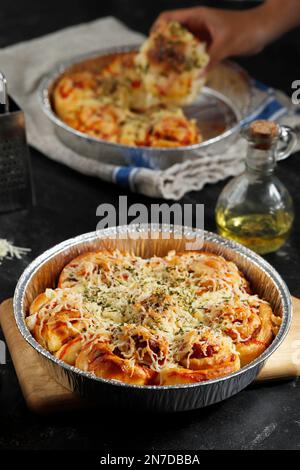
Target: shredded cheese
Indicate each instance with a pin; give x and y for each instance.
(9, 251)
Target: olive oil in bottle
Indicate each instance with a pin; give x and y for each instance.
(255, 208)
(262, 233)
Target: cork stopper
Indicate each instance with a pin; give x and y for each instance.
(263, 134)
(264, 129)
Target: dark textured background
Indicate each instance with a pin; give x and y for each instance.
(259, 417)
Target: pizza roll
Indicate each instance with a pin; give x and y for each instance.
(97, 358)
(170, 128)
(55, 319)
(250, 327)
(99, 119)
(71, 89)
(211, 272)
(53, 331)
(201, 355)
(125, 82)
(91, 267)
(172, 62)
(141, 344)
(259, 338)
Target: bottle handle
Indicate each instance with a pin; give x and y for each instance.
(287, 142)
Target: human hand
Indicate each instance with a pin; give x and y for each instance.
(226, 32)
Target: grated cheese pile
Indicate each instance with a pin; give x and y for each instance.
(9, 251)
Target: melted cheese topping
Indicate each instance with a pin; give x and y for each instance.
(189, 310)
(172, 61)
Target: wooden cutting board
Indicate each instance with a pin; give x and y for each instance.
(44, 395)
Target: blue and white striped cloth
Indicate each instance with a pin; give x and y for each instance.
(273, 107)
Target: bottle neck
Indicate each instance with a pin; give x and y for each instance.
(261, 159)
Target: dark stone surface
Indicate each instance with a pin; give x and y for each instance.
(259, 417)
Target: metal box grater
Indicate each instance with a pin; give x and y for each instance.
(16, 190)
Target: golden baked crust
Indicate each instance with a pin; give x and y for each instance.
(186, 317)
(112, 101)
(98, 358)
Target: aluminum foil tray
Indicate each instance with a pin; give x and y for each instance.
(43, 272)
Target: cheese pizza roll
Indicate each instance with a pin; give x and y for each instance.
(55, 318)
(135, 130)
(70, 350)
(209, 271)
(54, 300)
(72, 89)
(172, 62)
(248, 322)
(83, 268)
(260, 339)
(139, 343)
(98, 358)
(159, 127)
(170, 128)
(101, 120)
(203, 354)
(54, 330)
(97, 268)
(126, 83)
(204, 348)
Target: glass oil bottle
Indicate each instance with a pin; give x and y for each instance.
(255, 209)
